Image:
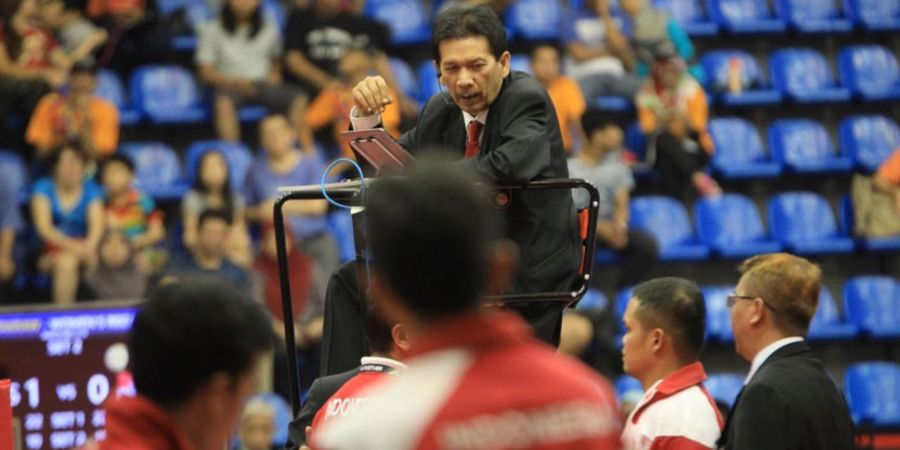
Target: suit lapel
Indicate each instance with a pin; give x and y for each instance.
(456, 133)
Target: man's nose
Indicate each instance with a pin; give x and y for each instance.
(465, 78)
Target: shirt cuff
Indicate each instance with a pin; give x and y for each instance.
(364, 122)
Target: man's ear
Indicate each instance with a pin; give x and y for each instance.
(758, 311)
(657, 336)
(505, 59)
(400, 338)
(503, 258)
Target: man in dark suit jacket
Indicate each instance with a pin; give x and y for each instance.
(788, 401)
(503, 125)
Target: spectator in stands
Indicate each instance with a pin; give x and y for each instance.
(67, 210)
(207, 258)
(564, 93)
(600, 162)
(31, 62)
(132, 212)
(137, 35)
(673, 109)
(665, 324)
(286, 165)
(434, 237)
(876, 204)
(257, 426)
(651, 27)
(79, 38)
(116, 275)
(317, 38)
(192, 353)
(600, 58)
(788, 401)
(238, 55)
(10, 224)
(333, 104)
(77, 115)
(212, 190)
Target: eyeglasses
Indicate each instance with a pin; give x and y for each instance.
(732, 299)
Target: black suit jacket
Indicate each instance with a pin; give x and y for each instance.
(321, 390)
(790, 403)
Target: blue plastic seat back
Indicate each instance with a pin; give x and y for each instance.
(110, 88)
(683, 11)
(273, 10)
(407, 19)
(741, 10)
(724, 387)
(827, 312)
(535, 19)
(14, 170)
(800, 70)
(800, 141)
(636, 140)
(872, 302)
(520, 62)
(716, 63)
(872, 10)
(238, 157)
(593, 300)
(622, 299)
(341, 225)
(156, 165)
(801, 216)
(664, 217)
(807, 10)
(873, 392)
(729, 219)
(629, 389)
(868, 68)
(718, 316)
(428, 81)
(869, 140)
(161, 89)
(737, 141)
(405, 77)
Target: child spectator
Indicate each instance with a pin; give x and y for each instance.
(212, 190)
(207, 258)
(132, 212)
(332, 106)
(78, 36)
(284, 165)
(116, 275)
(238, 55)
(672, 107)
(257, 426)
(564, 92)
(31, 61)
(10, 223)
(67, 211)
(600, 162)
(78, 115)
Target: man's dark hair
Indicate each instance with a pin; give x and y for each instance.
(83, 66)
(595, 119)
(71, 146)
(429, 235)
(378, 331)
(677, 306)
(468, 21)
(116, 158)
(212, 214)
(191, 330)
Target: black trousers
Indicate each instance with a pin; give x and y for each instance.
(677, 160)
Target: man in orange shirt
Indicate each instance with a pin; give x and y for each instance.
(78, 115)
(333, 104)
(564, 93)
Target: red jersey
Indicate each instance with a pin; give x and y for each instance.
(482, 382)
(136, 423)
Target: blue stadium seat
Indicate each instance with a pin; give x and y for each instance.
(718, 315)
(869, 140)
(869, 244)
(813, 16)
(428, 81)
(873, 304)
(13, 168)
(874, 15)
(273, 10)
(237, 155)
(689, 15)
(745, 16)
(804, 223)
(406, 79)
(167, 95)
(724, 387)
(756, 90)
(804, 75)
(870, 71)
(629, 389)
(195, 13)
(593, 300)
(410, 24)
(873, 393)
(827, 323)
(731, 226)
(622, 298)
(739, 150)
(520, 62)
(110, 88)
(157, 169)
(341, 225)
(667, 220)
(534, 20)
(803, 146)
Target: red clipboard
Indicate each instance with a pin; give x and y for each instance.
(378, 148)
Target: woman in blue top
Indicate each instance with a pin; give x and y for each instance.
(67, 211)
(647, 28)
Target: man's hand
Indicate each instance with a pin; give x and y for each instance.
(244, 87)
(371, 95)
(55, 77)
(308, 432)
(613, 235)
(7, 268)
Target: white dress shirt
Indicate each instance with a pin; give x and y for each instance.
(766, 352)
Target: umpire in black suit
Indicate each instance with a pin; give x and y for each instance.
(788, 402)
(502, 125)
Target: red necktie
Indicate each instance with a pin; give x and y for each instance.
(473, 130)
